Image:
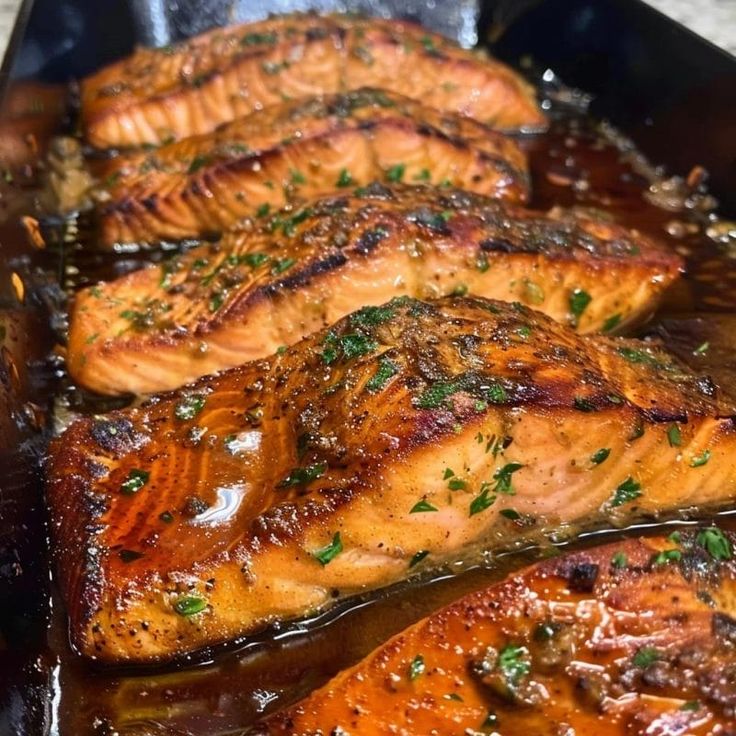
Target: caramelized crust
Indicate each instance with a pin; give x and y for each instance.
(273, 490)
(630, 639)
(301, 149)
(157, 95)
(298, 271)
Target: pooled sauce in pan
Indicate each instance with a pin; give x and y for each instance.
(576, 164)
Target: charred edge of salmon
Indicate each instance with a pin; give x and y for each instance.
(130, 206)
(73, 469)
(687, 580)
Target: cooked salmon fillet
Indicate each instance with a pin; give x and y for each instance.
(301, 149)
(275, 489)
(297, 271)
(629, 639)
(157, 95)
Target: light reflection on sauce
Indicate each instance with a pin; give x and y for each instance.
(225, 507)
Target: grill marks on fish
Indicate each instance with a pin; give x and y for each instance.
(641, 650)
(297, 150)
(158, 95)
(293, 272)
(270, 491)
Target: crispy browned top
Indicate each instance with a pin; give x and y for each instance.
(194, 293)
(632, 638)
(397, 54)
(306, 429)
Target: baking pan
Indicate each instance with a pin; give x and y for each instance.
(671, 92)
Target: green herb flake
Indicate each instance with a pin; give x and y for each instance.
(484, 500)
(418, 557)
(166, 516)
(396, 172)
(197, 163)
(496, 394)
(637, 356)
(282, 264)
(702, 349)
(674, 436)
(189, 407)
(344, 179)
(619, 560)
(626, 492)
(263, 210)
(253, 260)
(482, 263)
(491, 721)
(716, 543)
(690, 705)
(189, 605)
(371, 316)
(460, 290)
(514, 663)
(457, 484)
(422, 507)
(611, 323)
(503, 478)
(326, 554)
(700, 460)
(303, 476)
(600, 456)
(416, 667)
(134, 482)
(579, 301)
(385, 371)
(423, 175)
(453, 696)
(645, 657)
(216, 301)
(296, 177)
(511, 514)
(583, 404)
(666, 556)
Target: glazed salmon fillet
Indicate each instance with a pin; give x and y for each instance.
(297, 271)
(158, 95)
(274, 490)
(298, 150)
(629, 639)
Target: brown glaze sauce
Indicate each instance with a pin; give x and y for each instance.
(575, 164)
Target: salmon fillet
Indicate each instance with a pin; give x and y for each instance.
(629, 639)
(301, 149)
(298, 271)
(437, 429)
(157, 95)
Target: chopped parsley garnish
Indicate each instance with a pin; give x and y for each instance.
(481, 262)
(457, 484)
(282, 264)
(611, 322)
(600, 455)
(352, 345)
(484, 500)
(491, 721)
(700, 460)
(423, 175)
(418, 557)
(690, 705)
(166, 516)
(716, 543)
(637, 356)
(503, 478)
(256, 39)
(579, 301)
(303, 476)
(345, 179)
(326, 554)
(583, 404)
(646, 657)
(416, 667)
(496, 394)
(619, 560)
(189, 605)
(385, 371)
(134, 482)
(263, 209)
(511, 514)
(297, 177)
(370, 316)
(437, 394)
(674, 437)
(626, 492)
(702, 349)
(216, 300)
(666, 556)
(253, 260)
(197, 163)
(422, 506)
(396, 172)
(460, 290)
(514, 663)
(189, 407)
(453, 696)
(534, 292)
